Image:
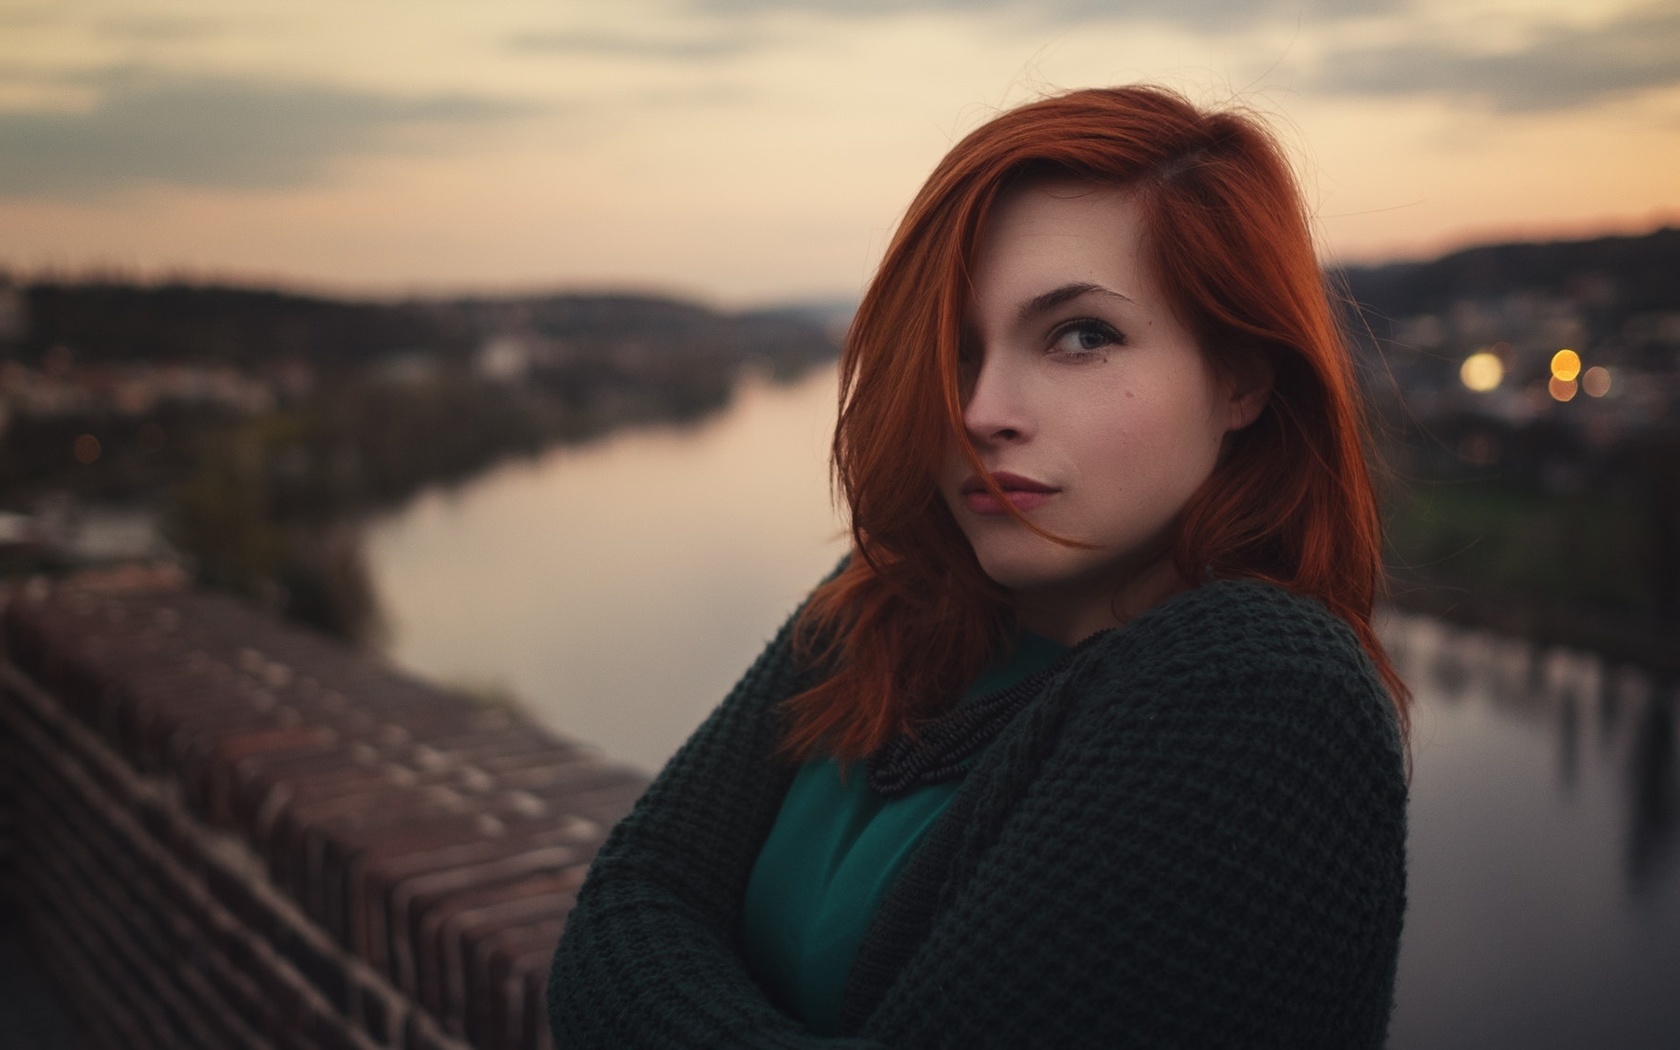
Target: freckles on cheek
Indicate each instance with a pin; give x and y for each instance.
(1115, 411)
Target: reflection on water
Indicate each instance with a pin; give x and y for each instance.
(1545, 895)
(1656, 798)
(1622, 715)
(619, 588)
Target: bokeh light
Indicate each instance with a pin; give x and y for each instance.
(1482, 371)
(1596, 381)
(1561, 389)
(85, 449)
(1566, 365)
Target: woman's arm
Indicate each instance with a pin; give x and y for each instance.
(651, 954)
(1204, 846)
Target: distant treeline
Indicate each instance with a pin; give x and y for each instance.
(109, 322)
(1621, 275)
(183, 323)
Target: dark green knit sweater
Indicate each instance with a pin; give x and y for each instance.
(1193, 837)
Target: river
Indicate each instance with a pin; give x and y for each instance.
(616, 589)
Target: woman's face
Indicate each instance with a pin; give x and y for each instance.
(1089, 403)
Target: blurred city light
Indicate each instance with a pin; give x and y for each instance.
(1596, 381)
(1566, 365)
(1561, 389)
(1482, 371)
(85, 449)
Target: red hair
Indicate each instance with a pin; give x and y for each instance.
(912, 619)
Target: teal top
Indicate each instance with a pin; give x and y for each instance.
(833, 854)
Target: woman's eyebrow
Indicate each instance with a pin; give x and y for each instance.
(1055, 297)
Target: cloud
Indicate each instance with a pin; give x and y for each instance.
(223, 133)
(1559, 69)
(156, 28)
(28, 16)
(1198, 14)
(620, 45)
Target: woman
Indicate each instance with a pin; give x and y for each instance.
(1089, 742)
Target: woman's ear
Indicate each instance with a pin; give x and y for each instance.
(1248, 386)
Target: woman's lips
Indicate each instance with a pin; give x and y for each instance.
(1021, 493)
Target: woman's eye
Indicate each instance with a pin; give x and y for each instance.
(1083, 337)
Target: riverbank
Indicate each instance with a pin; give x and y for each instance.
(1616, 637)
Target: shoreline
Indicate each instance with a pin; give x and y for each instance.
(1616, 637)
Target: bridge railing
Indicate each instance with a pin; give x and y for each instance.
(228, 832)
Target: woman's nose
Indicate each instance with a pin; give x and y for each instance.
(995, 409)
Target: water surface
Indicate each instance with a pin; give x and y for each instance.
(619, 588)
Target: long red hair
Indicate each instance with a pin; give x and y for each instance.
(912, 618)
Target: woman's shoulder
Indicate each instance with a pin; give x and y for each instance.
(1239, 701)
(1246, 650)
(1244, 620)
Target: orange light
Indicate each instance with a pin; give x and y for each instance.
(1566, 365)
(1561, 389)
(85, 449)
(1596, 381)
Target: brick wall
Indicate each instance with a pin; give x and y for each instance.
(226, 832)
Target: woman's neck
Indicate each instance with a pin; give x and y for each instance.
(1070, 616)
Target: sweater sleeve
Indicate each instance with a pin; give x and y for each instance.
(1207, 850)
(651, 954)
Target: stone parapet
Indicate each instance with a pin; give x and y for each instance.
(225, 832)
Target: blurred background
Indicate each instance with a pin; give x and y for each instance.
(499, 339)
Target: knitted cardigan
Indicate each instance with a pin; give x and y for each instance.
(1194, 836)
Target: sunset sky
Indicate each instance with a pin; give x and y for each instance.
(757, 151)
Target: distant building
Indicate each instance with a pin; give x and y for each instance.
(14, 312)
(504, 359)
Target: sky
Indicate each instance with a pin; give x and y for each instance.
(751, 152)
